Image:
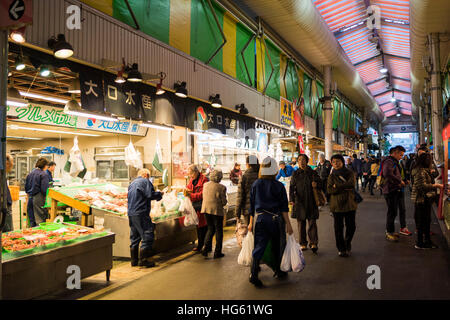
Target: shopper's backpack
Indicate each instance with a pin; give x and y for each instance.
(381, 181)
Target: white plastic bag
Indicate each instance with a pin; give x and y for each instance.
(76, 164)
(170, 201)
(191, 218)
(245, 256)
(293, 259)
(133, 157)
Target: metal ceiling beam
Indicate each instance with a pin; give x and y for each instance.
(384, 103)
(398, 90)
(358, 26)
(371, 58)
(396, 56)
(400, 78)
(376, 80)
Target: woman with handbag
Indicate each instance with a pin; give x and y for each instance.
(341, 185)
(423, 195)
(306, 196)
(194, 190)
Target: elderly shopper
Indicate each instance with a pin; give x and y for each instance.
(423, 192)
(243, 195)
(269, 220)
(341, 184)
(214, 199)
(140, 194)
(194, 190)
(305, 208)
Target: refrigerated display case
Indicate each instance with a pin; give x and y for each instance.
(111, 166)
(25, 163)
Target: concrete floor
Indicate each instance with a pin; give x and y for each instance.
(406, 273)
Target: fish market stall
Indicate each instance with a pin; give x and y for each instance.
(105, 206)
(36, 261)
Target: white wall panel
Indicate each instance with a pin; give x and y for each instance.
(103, 37)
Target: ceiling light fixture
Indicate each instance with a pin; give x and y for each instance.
(393, 97)
(18, 35)
(180, 89)
(23, 138)
(19, 64)
(215, 101)
(61, 48)
(44, 71)
(399, 115)
(242, 109)
(39, 96)
(14, 127)
(133, 73)
(156, 126)
(383, 70)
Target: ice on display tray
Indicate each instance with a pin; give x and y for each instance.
(59, 234)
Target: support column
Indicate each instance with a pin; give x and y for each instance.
(381, 139)
(4, 47)
(328, 115)
(436, 98)
(421, 126)
(365, 128)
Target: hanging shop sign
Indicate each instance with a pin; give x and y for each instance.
(15, 13)
(299, 114)
(224, 121)
(286, 112)
(47, 115)
(100, 93)
(301, 144)
(446, 132)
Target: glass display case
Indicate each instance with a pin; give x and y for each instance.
(111, 166)
(25, 163)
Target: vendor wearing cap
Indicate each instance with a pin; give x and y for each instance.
(286, 171)
(140, 194)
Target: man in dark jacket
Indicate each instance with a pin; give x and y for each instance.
(140, 195)
(357, 168)
(392, 188)
(323, 169)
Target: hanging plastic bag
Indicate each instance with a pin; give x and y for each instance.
(245, 256)
(241, 231)
(191, 218)
(293, 259)
(76, 163)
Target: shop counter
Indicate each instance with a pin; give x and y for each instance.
(169, 233)
(43, 270)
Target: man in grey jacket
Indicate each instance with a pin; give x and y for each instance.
(392, 188)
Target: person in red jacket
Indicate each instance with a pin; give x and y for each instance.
(194, 190)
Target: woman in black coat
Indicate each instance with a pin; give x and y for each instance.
(301, 195)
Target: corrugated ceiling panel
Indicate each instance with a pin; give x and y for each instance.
(396, 40)
(377, 87)
(402, 85)
(341, 13)
(387, 107)
(390, 113)
(405, 105)
(393, 9)
(369, 70)
(384, 97)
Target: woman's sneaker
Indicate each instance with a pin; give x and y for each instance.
(405, 232)
(419, 246)
(391, 237)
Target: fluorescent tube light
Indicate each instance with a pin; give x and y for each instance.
(39, 96)
(156, 126)
(15, 127)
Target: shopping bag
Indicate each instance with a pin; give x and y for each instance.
(297, 258)
(293, 259)
(358, 197)
(286, 260)
(191, 217)
(245, 256)
(241, 231)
